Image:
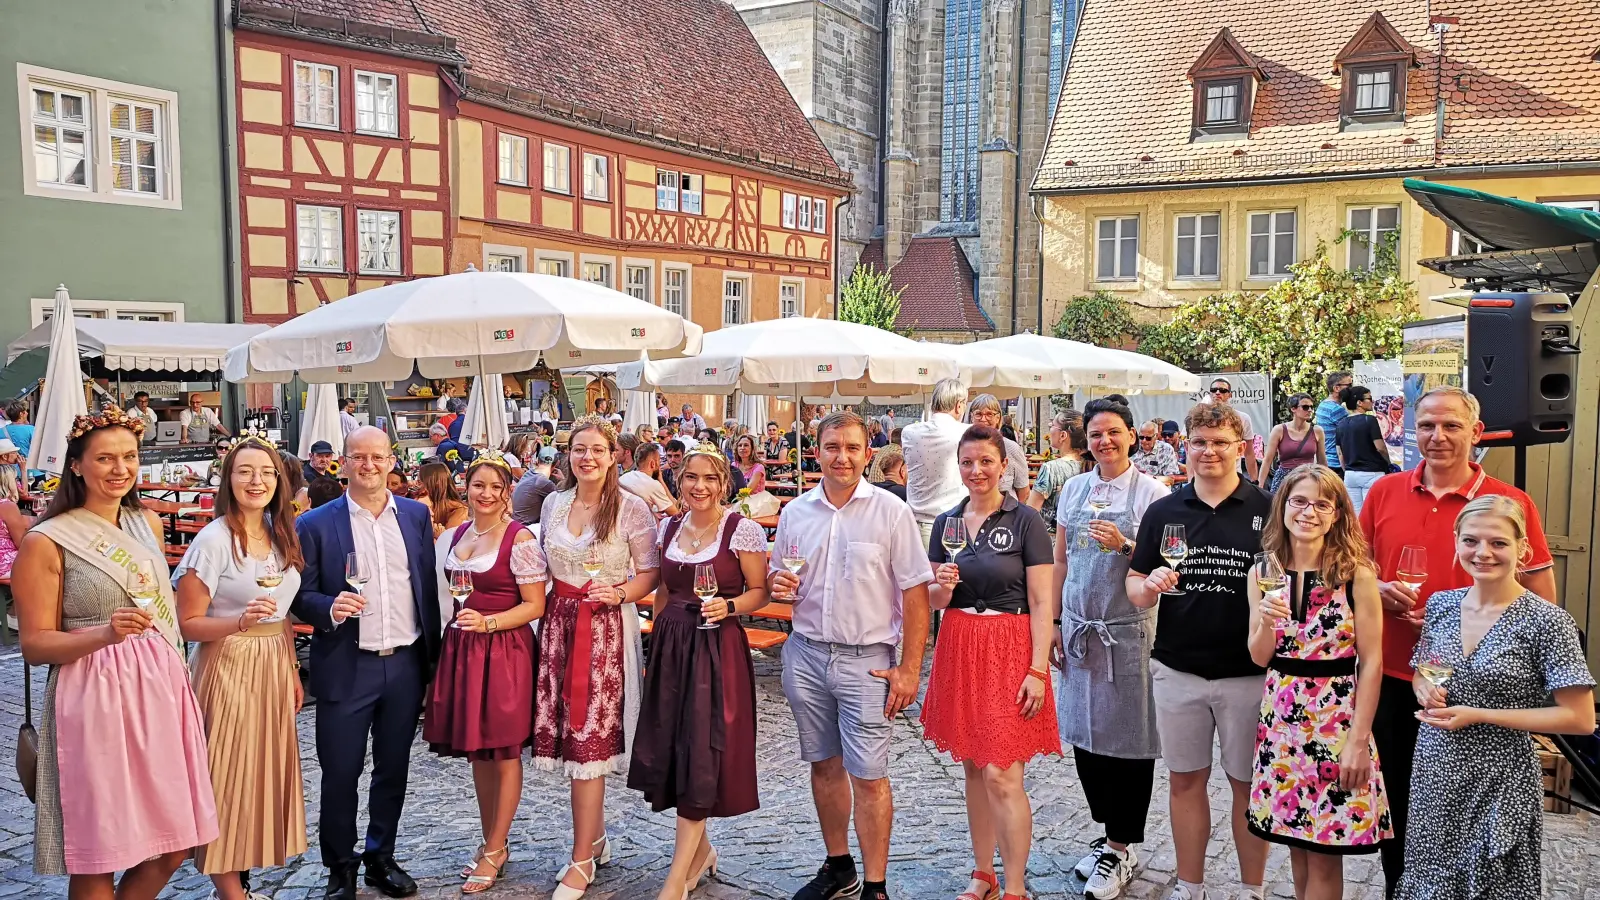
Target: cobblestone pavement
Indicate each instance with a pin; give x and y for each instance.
(767, 854)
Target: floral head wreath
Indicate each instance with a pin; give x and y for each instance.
(704, 448)
(597, 422)
(490, 458)
(110, 415)
(252, 440)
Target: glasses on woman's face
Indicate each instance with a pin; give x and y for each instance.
(1323, 507)
(1221, 390)
(1305, 407)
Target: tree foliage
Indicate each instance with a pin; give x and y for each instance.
(869, 298)
(1318, 320)
(1099, 319)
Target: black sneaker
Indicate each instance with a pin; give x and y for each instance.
(876, 894)
(831, 884)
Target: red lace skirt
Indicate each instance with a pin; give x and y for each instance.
(970, 710)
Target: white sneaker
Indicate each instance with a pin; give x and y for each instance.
(1182, 893)
(1112, 871)
(1085, 866)
(1247, 894)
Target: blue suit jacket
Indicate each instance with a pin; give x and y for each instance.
(325, 541)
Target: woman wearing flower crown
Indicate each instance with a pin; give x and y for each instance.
(696, 748)
(120, 721)
(245, 674)
(600, 545)
(480, 706)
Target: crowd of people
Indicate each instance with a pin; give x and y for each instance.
(1279, 620)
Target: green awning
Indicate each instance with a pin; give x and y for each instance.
(1504, 223)
(23, 374)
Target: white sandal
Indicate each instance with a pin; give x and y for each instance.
(563, 892)
(601, 850)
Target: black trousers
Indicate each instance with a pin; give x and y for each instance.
(384, 704)
(1394, 729)
(1118, 791)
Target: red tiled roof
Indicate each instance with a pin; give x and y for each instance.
(687, 72)
(936, 284)
(1521, 86)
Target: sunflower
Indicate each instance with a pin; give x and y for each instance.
(333, 468)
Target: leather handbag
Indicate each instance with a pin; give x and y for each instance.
(28, 739)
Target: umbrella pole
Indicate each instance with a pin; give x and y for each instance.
(799, 441)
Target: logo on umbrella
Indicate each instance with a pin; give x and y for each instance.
(344, 346)
(344, 370)
(825, 367)
(712, 370)
(637, 332)
(505, 334)
(461, 363)
(921, 371)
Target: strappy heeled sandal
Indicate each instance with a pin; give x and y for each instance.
(601, 850)
(477, 884)
(710, 865)
(477, 857)
(563, 891)
(971, 893)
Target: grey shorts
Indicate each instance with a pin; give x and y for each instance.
(1190, 710)
(838, 704)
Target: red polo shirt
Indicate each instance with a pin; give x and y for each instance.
(1399, 511)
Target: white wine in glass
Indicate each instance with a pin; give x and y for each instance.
(1435, 671)
(357, 574)
(1174, 549)
(460, 589)
(143, 588)
(705, 588)
(268, 576)
(793, 559)
(1270, 577)
(593, 565)
(954, 537)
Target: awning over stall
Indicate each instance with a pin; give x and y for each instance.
(121, 346)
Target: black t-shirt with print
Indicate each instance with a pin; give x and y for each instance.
(995, 560)
(1205, 630)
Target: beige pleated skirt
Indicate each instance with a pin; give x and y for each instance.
(245, 686)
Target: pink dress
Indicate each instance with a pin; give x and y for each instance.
(8, 551)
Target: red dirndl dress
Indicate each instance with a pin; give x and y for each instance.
(970, 710)
(480, 705)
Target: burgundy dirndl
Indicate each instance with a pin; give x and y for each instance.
(481, 703)
(695, 748)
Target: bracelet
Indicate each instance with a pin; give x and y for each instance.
(1039, 674)
(241, 622)
(1057, 621)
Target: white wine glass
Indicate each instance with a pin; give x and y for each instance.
(1100, 497)
(1432, 664)
(1174, 549)
(143, 588)
(1270, 577)
(593, 563)
(460, 589)
(1413, 571)
(705, 588)
(954, 538)
(357, 573)
(793, 558)
(268, 576)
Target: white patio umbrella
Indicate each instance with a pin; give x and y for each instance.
(468, 323)
(1081, 365)
(486, 414)
(753, 412)
(62, 397)
(319, 421)
(1005, 374)
(1166, 378)
(638, 408)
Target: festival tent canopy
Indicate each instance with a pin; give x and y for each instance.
(122, 346)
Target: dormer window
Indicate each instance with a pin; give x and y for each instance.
(1225, 79)
(1373, 66)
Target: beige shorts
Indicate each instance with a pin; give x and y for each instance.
(1190, 710)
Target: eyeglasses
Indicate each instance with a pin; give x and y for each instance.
(1147, 437)
(1323, 507)
(363, 459)
(1221, 390)
(1210, 446)
(1305, 407)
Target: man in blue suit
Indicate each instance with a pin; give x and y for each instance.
(372, 656)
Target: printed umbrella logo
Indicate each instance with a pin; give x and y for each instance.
(344, 346)
(710, 370)
(637, 332)
(461, 363)
(502, 335)
(824, 368)
(921, 370)
(344, 370)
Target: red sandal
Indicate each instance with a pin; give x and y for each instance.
(993, 893)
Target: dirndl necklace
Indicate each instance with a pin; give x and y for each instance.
(695, 542)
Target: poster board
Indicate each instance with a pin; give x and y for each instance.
(1433, 354)
(1386, 381)
(1252, 395)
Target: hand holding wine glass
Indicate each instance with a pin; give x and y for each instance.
(954, 539)
(1273, 583)
(1174, 549)
(460, 589)
(1434, 669)
(1100, 497)
(144, 589)
(1412, 572)
(268, 576)
(352, 604)
(705, 588)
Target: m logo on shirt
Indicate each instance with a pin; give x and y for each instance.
(1001, 539)
(1255, 523)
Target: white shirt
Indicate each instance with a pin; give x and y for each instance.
(390, 616)
(859, 558)
(149, 417)
(695, 422)
(1133, 491)
(933, 477)
(207, 415)
(647, 489)
(348, 423)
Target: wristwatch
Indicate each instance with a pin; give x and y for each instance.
(1127, 547)
(491, 625)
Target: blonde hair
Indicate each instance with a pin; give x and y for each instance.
(1344, 548)
(8, 484)
(1460, 395)
(1502, 507)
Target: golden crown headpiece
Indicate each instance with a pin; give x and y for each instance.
(490, 458)
(253, 440)
(110, 415)
(704, 448)
(591, 421)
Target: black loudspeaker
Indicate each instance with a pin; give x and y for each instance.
(1522, 366)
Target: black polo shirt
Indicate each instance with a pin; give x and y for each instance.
(995, 560)
(1205, 631)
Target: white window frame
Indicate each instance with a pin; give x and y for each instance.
(1458, 242)
(1371, 89)
(505, 251)
(100, 93)
(517, 158)
(691, 193)
(567, 261)
(557, 168)
(799, 302)
(667, 190)
(819, 215)
(1372, 236)
(597, 177)
(313, 68)
(366, 217)
(377, 114)
(742, 308)
(40, 308)
(1272, 233)
(685, 290)
(1117, 239)
(608, 262)
(1195, 256)
(134, 136)
(802, 219)
(788, 210)
(1590, 205)
(648, 267)
(338, 211)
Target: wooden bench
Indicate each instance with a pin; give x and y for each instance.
(761, 639)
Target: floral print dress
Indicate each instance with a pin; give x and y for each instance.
(1306, 715)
